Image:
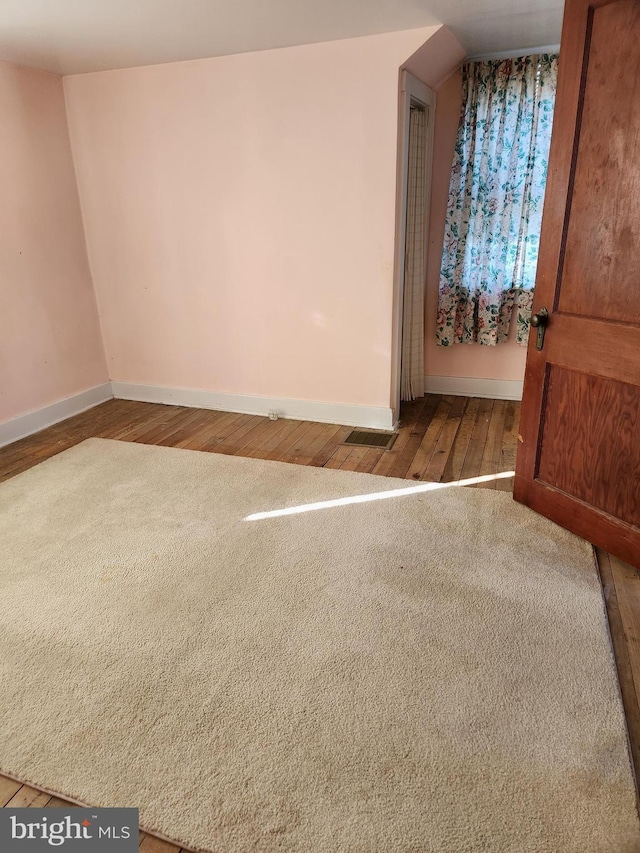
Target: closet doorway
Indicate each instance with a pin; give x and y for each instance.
(415, 149)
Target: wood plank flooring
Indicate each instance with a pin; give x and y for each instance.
(440, 439)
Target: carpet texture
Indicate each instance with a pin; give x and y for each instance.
(425, 672)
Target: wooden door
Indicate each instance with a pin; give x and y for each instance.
(579, 457)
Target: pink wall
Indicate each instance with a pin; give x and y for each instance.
(505, 361)
(240, 217)
(50, 345)
(436, 60)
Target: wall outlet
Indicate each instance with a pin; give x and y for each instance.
(273, 415)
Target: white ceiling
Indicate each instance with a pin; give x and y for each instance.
(73, 36)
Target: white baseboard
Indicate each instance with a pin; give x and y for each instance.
(460, 386)
(369, 417)
(31, 422)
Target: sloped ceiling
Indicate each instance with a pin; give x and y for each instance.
(75, 36)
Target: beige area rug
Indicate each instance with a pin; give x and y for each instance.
(423, 672)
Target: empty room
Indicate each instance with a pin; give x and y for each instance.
(320, 426)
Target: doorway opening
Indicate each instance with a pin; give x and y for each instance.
(415, 149)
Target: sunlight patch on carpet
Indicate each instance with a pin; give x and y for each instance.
(378, 496)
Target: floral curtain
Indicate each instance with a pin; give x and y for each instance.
(492, 229)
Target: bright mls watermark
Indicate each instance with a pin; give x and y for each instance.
(72, 830)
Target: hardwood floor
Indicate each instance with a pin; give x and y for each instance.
(440, 439)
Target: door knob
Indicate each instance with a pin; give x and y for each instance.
(539, 321)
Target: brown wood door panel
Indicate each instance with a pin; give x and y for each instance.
(608, 349)
(595, 526)
(579, 455)
(607, 178)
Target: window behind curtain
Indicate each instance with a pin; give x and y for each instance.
(496, 195)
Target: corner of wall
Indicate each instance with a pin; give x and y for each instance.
(436, 59)
(90, 266)
(53, 348)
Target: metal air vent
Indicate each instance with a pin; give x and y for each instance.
(365, 438)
